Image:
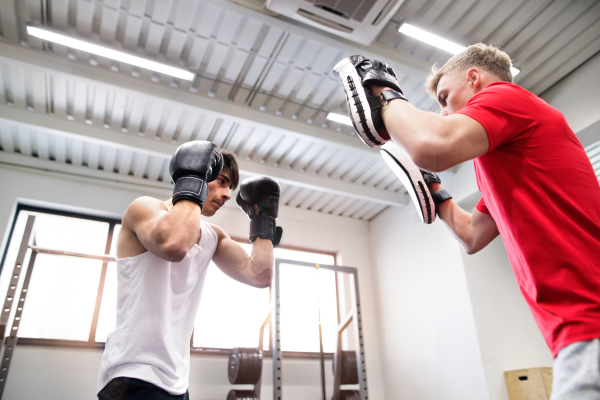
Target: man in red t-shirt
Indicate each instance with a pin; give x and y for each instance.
(539, 190)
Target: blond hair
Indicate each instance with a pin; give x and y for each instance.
(489, 58)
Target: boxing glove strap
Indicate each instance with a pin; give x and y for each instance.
(265, 227)
(440, 196)
(190, 188)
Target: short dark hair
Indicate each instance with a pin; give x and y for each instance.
(230, 165)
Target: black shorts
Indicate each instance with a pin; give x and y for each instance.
(135, 389)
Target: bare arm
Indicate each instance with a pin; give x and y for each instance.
(148, 224)
(434, 142)
(254, 270)
(473, 231)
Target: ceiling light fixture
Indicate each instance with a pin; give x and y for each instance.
(102, 51)
(438, 42)
(342, 119)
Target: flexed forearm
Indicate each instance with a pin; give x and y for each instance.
(473, 231)
(261, 262)
(176, 232)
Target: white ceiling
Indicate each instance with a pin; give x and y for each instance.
(263, 88)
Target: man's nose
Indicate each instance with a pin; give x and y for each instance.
(227, 194)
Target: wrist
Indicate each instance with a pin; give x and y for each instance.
(187, 203)
(434, 187)
(440, 197)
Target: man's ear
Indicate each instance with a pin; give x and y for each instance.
(474, 77)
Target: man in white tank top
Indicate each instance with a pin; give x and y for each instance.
(163, 251)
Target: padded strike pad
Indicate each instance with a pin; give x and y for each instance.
(412, 179)
(359, 109)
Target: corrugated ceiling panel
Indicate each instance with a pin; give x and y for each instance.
(547, 39)
(371, 212)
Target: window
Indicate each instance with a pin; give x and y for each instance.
(72, 298)
(232, 313)
(62, 293)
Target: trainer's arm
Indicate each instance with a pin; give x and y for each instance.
(473, 231)
(434, 142)
(254, 270)
(169, 234)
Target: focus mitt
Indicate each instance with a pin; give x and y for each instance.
(411, 177)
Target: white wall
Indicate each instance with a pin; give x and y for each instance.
(58, 373)
(509, 338)
(453, 322)
(427, 328)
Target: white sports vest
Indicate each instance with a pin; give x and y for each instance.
(157, 302)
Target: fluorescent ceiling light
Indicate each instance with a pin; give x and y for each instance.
(431, 39)
(102, 51)
(342, 119)
(437, 41)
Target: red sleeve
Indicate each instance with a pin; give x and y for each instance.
(482, 207)
(504, 110)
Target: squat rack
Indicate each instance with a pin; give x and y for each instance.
(28, 243)
(344, 322)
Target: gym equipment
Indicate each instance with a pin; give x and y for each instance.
(321, 354)
(412, 178)
(242, 395)
(11, 300)
(364, 109)
(349, 368)
(349, 395)
(245, 365)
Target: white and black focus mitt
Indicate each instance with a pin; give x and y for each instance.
(415, 180)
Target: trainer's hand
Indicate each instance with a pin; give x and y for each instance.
(438, 193)
(193, 165)
(259, 198)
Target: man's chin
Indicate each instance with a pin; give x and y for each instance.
(209, 211)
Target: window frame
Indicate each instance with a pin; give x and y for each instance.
(113, 221)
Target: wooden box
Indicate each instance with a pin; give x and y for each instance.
(529, 384)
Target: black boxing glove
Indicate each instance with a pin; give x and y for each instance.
(263, 192)
(441, 195)
(193, 165)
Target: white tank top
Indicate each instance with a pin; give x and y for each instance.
(157, 302)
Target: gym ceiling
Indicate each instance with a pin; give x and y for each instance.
(263, 87)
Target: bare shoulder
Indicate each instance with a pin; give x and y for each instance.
(221, 234)
(142, 208)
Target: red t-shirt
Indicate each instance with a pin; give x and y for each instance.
(539, 186)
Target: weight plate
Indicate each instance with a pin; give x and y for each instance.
(241, 395)
(349, 368)
(245, 365)
(348, 395)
